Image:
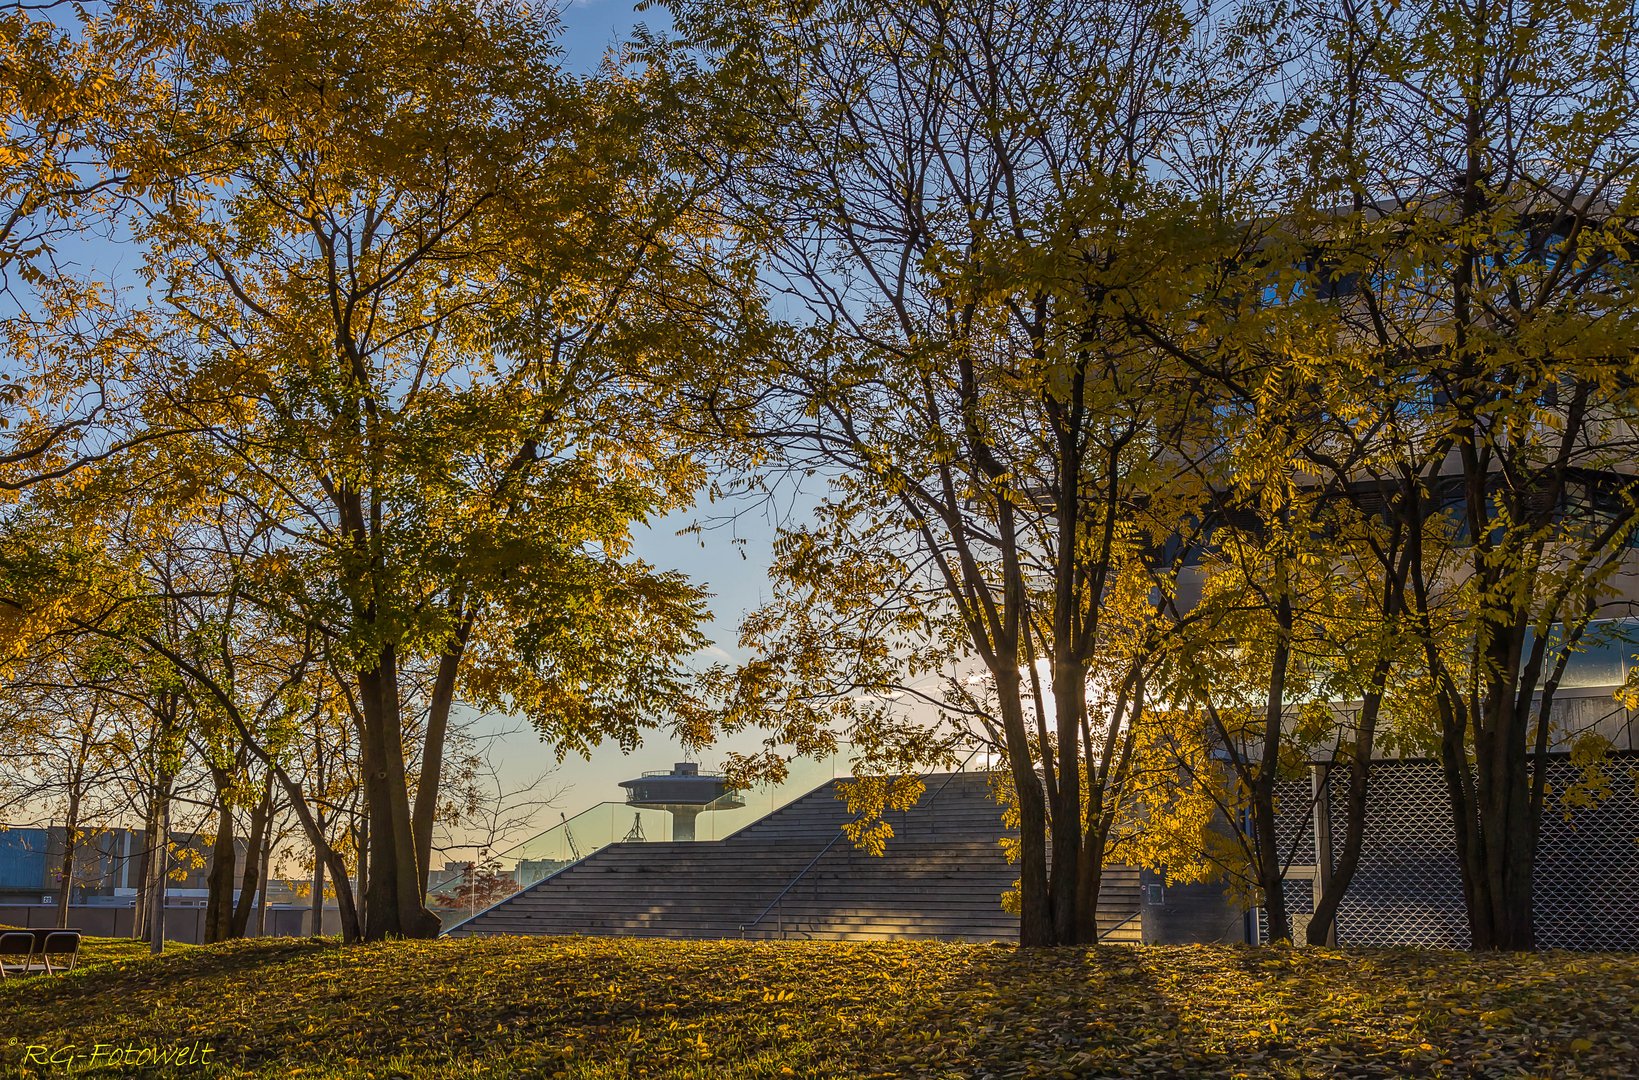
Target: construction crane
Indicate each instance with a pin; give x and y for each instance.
(574, 849)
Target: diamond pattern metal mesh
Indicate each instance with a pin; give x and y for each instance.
(1294, 821)
(1300, 904)
(1587, 874)
(1408, 890)
(1294, 832)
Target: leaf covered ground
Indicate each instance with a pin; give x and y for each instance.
(607, 1007)
(100, 951)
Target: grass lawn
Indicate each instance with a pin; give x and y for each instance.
(103, 951)
(605, 1007)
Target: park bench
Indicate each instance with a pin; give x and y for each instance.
(47, 949)
(16, 952)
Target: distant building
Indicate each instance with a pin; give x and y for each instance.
(107, 865)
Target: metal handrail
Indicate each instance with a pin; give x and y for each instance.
(954, 774)
(829, 844)
(1120, 924)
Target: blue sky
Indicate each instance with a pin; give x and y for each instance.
(592, 26)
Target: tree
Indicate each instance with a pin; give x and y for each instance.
(433, 284)
(482, 884)
(57, 741)
(1250, 650)
(1484, 159)
(965, 220)
(1289, 616)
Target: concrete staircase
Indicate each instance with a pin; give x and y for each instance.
(793, 874)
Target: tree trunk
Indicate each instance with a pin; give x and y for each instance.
(363, 853)
(70, 845)
(1495, 801)
(251, 883)
(1067, 878)
(150, 829)
(315, 925)
(1035, 907)
(432, 751)
(1107, 772)
(161, 848)
(1091, 877)
(1270, 880)
(1266, 842)
(393, 906)
(1337, 874)
(1498, 851)
(156, 823)
(219, 878)
(267, 861)
(1035, 903)
(1336, 879)
(352, 929)
(323, 854)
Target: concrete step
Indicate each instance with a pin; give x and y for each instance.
(942, 877)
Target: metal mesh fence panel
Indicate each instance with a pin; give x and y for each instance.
(1587, 872)
(1408, 888)
(1300, 904)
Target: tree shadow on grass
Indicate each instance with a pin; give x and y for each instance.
(611, 1007)
(1239, 1011)
(1038, 1012)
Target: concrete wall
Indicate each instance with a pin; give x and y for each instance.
(184, 924)
(1188, 914)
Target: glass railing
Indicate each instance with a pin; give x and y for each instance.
(595, 828)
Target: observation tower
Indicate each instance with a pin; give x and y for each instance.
(684, 792)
